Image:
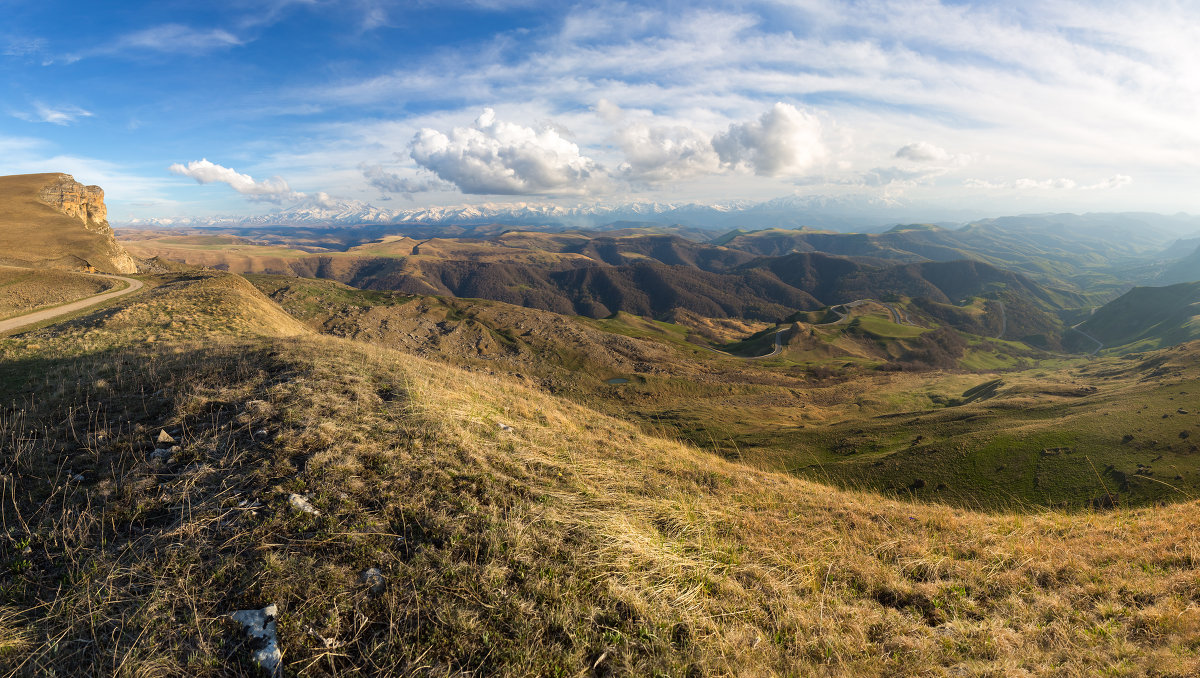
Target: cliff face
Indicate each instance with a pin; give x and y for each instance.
(51, 220)
(85, 203)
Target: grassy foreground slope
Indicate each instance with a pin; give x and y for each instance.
(569, 544)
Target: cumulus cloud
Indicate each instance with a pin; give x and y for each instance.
(665, 153)
(389, 182)
(922, 151)
(784, 140)
(59, 115)
(274, 189)
(500, 158)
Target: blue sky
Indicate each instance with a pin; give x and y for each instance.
(243, 106)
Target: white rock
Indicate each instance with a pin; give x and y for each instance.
(260, 625)
(505, 427)
(301, 504)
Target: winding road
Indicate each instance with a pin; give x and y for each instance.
(774, 352)
(898, 316)
(50, 313)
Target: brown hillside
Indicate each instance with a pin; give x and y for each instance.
(53, 221)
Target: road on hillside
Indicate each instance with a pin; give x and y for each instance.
(1099, 344)
(898, 316)
(774, 352)
(47, 314)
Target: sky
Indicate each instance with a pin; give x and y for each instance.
(241, 107)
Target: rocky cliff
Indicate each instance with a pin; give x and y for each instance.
(51, 220)
(85, 203)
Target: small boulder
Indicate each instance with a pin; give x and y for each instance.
(260, 626)
(301, 505)
(164, 438)
(374, 580)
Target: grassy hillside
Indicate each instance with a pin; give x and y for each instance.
(655, 275)
(565, 543)
(852, 397)
(1147, 318)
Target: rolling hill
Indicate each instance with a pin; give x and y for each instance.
(654, 275)
(1097, 254)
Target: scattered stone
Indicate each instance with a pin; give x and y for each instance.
(164, 438)
(165, 453)
(260, 626)
(505, 427)
(1181, 411)
(301, 504)
(374, 581)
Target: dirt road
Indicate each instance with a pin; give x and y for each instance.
(39, 316)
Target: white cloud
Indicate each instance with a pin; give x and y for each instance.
(389, 182)
(274, 189)
(178, 38)
(656, 151)
(500, 158)
(784, 140)
(922, 151)
(666, 152)
(1112, 183)
(59, 115)
(169, 38)
(1060, 183)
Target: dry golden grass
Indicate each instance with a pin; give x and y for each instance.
(572, 544)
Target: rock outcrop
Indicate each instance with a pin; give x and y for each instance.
(85, 203)
(53, 221)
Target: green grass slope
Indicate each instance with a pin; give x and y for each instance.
(1147, 318)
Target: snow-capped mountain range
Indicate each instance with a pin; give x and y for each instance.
(789, 211)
